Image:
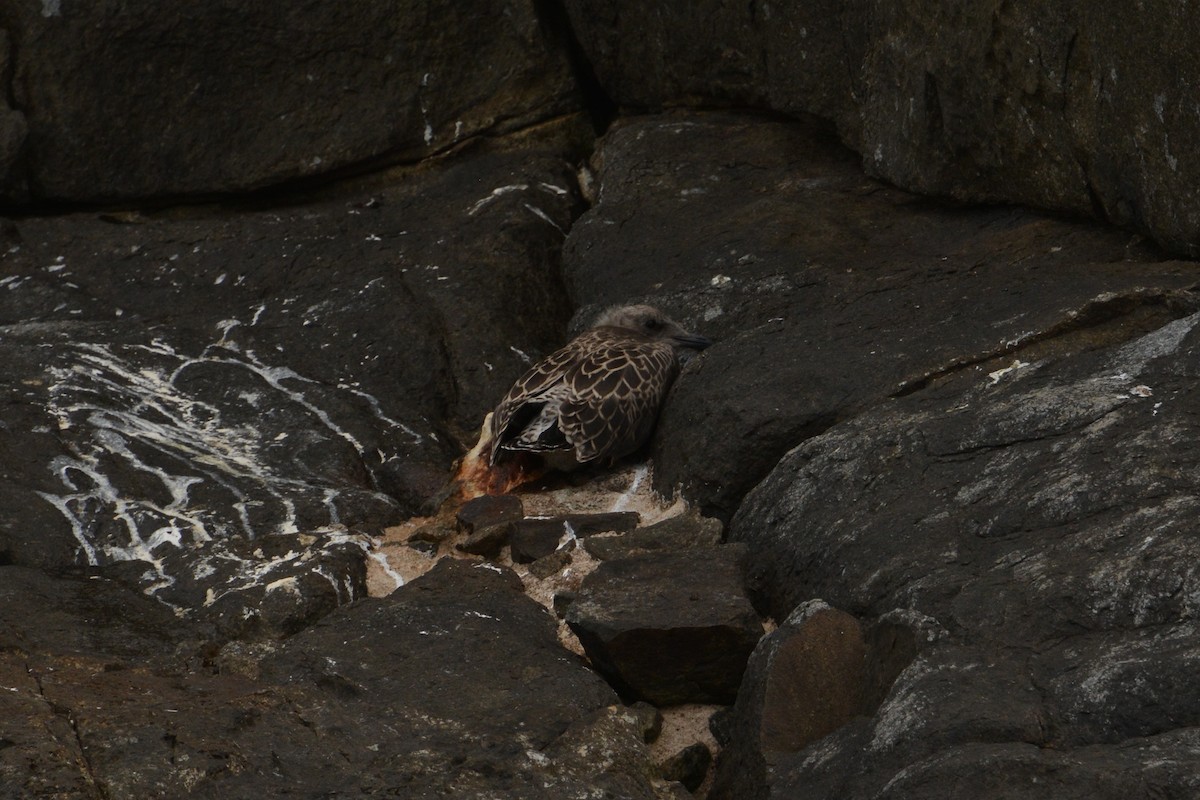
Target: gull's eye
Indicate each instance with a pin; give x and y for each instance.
(652, 324)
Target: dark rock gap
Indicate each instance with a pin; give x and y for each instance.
(601, 108)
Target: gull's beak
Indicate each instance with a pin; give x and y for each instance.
(691, 340)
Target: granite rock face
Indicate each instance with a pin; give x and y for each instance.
(1044, 518)
(129, 100)
(1072, 106)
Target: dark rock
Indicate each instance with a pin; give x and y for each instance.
(689, 766)
(622, 770)
(471, 674)
(13, 130)
(562, 601)
(721, 725)
(90, 618)
(650, 719)
(488, 510)
(487, 541)
(805, 680)
(181, 390)
(668, 628)
(1040, 518)
(676, 533)
(1070, 106)
(216, 98)
(455, 684)
(433, 533)
(549, 565)
(535, 537)
(425, 547)
(826, 292)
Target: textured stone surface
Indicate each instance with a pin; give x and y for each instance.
(535, 538)
(455, 684)
(1075, 106)
(987, 463)
(488, 510)
(133, 100)
(669, 628)
(805, 680)
(1043, 517)
(827, 292)
(675, 533)
(212, 401)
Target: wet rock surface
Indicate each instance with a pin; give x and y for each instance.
(951, 444)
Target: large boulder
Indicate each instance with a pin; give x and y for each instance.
(1076, 106)
(1043, 517)
(121, 100)
(827, 292)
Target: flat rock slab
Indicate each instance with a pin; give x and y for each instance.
(1044, 519)
(827, 292)
(675, 533)
(668, 628)
(488, 510)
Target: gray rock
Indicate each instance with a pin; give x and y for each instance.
(1073, 106)
(130, 100)
(668, 628)
(1042, 518)
(826, 292)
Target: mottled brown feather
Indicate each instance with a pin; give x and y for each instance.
(605, 388)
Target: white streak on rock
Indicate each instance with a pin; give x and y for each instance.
(500, 191)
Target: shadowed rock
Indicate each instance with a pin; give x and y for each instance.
(669, 628)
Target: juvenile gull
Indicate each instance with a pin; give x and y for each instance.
(597, 398)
